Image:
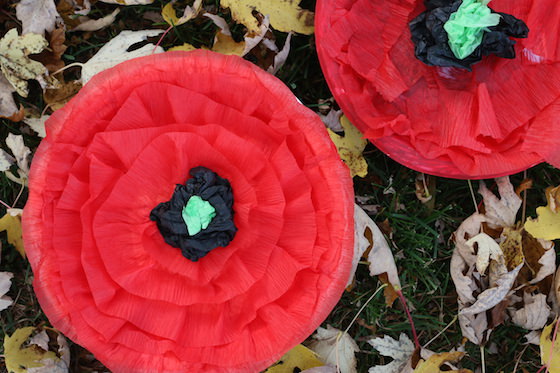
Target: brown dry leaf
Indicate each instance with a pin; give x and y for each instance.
(425, 187)
(435, 362)
(350, 147)
(37, 16)
(58, 97)
(297, 359)
(525, 185)
(285, 15)
(547, 225)
(16, 66)
(335, 347)
(52, 56)
(11, 223)
(67, 10)
(128, 2)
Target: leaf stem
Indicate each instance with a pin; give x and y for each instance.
(414, 335)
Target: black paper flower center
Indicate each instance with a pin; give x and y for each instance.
(219, 232)
(432, 41)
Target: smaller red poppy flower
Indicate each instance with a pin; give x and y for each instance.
(498, 119)
(187, 214)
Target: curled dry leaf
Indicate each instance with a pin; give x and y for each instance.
(335, 348)
(400, 351)
(57, 97)
(285, 15)
(350, 147)
(5, 283)
(15, 64)
(128, 2)
(500, 212)
(534, 314)
(115, 52)
(332, 120)
(281, 57)
(88, 24)
(298, 359)
(368, 237)
(547, 225)
(37, 16)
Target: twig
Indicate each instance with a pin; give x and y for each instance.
(67, 67)
(524, 208)
(473, 196)
(482, 359)
(161, 38)
(19, 194)
(414, 335)
(519, 358)
(441, 332)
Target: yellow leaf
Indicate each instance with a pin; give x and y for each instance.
(547, 348)
(299, 357)
(350, 147)
(547, 226)
(170, 16)
(19, 359)
(512, 247)
(434, 363)
(185, 47)
(12, 225)
(285, 15)
(226, 45)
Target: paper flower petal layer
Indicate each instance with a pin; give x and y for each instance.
(103, 273)
(499, 119)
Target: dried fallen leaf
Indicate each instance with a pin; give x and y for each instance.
(285, 15)
(115, 52)
(552, 362)
(38, 124)
(128, 2)
(435, 362)
(15, 63)
(50, 339)
(8, 106)
(332, 120)
(170, 16)
(11, 223)
(88, 24)
(57, 97)
(297, 359)
(18, 358)
(21, 154)
(184, 47)
(37, 16)
(368, 237)
(547, 225)
(336, 348)
(350, 147)
(400, 351)
(51, 57)
(5, 283)
(534, 314)
(500, 212)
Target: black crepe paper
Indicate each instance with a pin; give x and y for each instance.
(168, 215)
(431, 41)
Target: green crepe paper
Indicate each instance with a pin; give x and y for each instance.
(466, 26)
(197, 214)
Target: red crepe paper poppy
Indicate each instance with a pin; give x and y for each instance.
(501, 118)
(103, 273)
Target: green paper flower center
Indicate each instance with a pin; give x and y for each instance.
(467, 25)
(197, 214)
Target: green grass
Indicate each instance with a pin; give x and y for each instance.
(420, 232)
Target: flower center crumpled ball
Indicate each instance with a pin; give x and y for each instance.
(103, 273)
(499, 119)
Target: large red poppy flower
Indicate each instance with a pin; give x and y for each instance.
(501, 118)
(103, 273)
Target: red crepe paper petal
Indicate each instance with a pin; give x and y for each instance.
(103, 273)
(497, 120)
